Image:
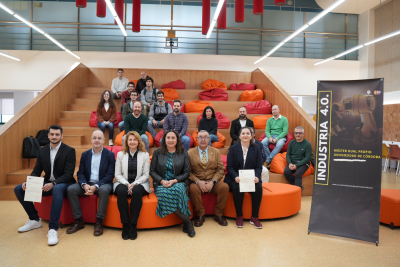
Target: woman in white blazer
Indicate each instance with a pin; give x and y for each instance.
(132, 179)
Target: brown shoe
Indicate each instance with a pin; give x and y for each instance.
(199, 221)
(267, 165)
(76, 227)
(221, 220)
(98, 229)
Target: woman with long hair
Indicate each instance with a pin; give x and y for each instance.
(170, 170)
(132, 180)
(106, 114)
(209, 123)
(245, 155)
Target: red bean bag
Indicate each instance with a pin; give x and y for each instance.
(252, 95)
(118, 119)
(260, 122)
(160, 134)
(219, 144)
(179, 84)
(118, 139)
(211, 84)
(183, 110)
(197, 106)
(289, 137)
(216, 94)
(279, 163)
(170, 94)
(225, 162)
(223, 121)
(259, 107)
(242, 86)
(93, 119)
(114, 149)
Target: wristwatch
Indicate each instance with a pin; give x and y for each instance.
(54, 183)
(214, 181)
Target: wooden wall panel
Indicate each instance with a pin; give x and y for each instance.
(391, 125)
(276, 95)
(102, 77)
(39, 114)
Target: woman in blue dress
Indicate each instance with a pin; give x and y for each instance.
(170, 170)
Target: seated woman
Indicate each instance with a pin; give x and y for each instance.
(132, 179)
(106, 114)
(170, 170)
(210, 124)
(245, 155)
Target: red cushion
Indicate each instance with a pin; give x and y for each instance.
(114, 149)
(209, 202)
(118, 119)
(160, 134)
(242, 86)
(93, 119)
(183, 110)
(179, 84)
(225, 162)
(259, 107)
(223, 121)
(216, 94)
(289, 137)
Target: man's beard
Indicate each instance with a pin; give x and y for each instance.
(242, 117)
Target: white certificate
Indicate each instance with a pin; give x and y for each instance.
(246, 183)
(34, 190)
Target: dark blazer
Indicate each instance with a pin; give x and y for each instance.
(235, 128)
(181, 167)
(235, 161)
(106, 171)
(64, 164)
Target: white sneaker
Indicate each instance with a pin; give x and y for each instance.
(30, 225)
(53, 237)
(110, 143)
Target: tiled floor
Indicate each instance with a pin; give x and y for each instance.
(282, 242)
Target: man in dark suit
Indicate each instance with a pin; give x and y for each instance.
(57, 160)
(95, 176)
(239, 123)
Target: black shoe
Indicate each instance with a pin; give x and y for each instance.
(184, 229)
(191, 233)
(125, 231)
(132, 231)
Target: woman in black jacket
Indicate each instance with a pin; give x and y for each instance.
(170, 170)
(210, 124)
(245, 155)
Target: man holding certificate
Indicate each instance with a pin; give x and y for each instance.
(244, 166)
(57, 160)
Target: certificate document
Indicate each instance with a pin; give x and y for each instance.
(33, 190)
(246, 183)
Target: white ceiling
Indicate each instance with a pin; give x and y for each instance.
(351, 6)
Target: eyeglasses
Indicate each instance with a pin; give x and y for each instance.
(298, 132)
(203, 138)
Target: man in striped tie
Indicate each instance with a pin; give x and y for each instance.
(207, 176)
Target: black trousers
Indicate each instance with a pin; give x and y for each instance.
(136, 202)
(297, 179)
(238, 198)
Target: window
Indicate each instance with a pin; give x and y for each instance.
(6, 110)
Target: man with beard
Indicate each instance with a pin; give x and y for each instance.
(57, 160)
(128, 109)
(240, 122)
(179, 122)
(137, 122)
(126, 95)
(158, 111)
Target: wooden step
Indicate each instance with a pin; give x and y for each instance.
(73, 140)
(28, 163)
(75, 114)
(73, 122)
(7, 192)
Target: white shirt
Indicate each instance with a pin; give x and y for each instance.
(242, 123)
(53, 153)
(119, 85)
(245, 154)
(280, 117)
(106, 106)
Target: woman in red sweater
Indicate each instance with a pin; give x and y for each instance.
(106, 114)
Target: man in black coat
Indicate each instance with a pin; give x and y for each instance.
(141, 83)
(240, 122)
(57, 160)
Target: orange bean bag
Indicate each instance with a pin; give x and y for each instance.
(242, 86)
(93, 119)
(390, 207)
(134, 81)
(183, 110)
(279, 163)
(260, 122)
(118, 139)
(211, 84)
(178, 84)
(252, 95)
(289, 137)
(219, 144)
(223, 121)
(197, 106)
(216, 94)
(259, 107)
(151, 139)
(170, 94)
(160, 134)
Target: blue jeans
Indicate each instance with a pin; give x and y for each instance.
(59, 191)
(144, 138)
(110, 126)
(121, 126)
(270, 155)
(213, 138)
(185, 141)
(150, 128)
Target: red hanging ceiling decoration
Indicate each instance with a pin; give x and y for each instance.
(222, 17)
(239, 11)
(206, 16)
(81, 3)
(136, 15)
(280, 2)
(101, 8)
(119, 8)
(258, 7)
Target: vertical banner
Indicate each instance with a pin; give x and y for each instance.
(347, 181)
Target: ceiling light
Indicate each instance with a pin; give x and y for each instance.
(305, 26)
(6, 9)
(349, 51)
(5, 55)
(54, 41)
(325, 11)
(69, 52)
(115, 15)
(28, 23)
(382, 38)
(214, 20)
(325, 60)
(270, 52)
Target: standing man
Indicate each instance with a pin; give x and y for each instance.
(126, 95)
(119, 84)
(206, 176)
(57, 160)
(141, 83)
(137, 122)
(148, 95)
(298, 157)
(158, 112)
(178, 122)
(128, 109)
(95, 176)
(275, 131)
(240, 122)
